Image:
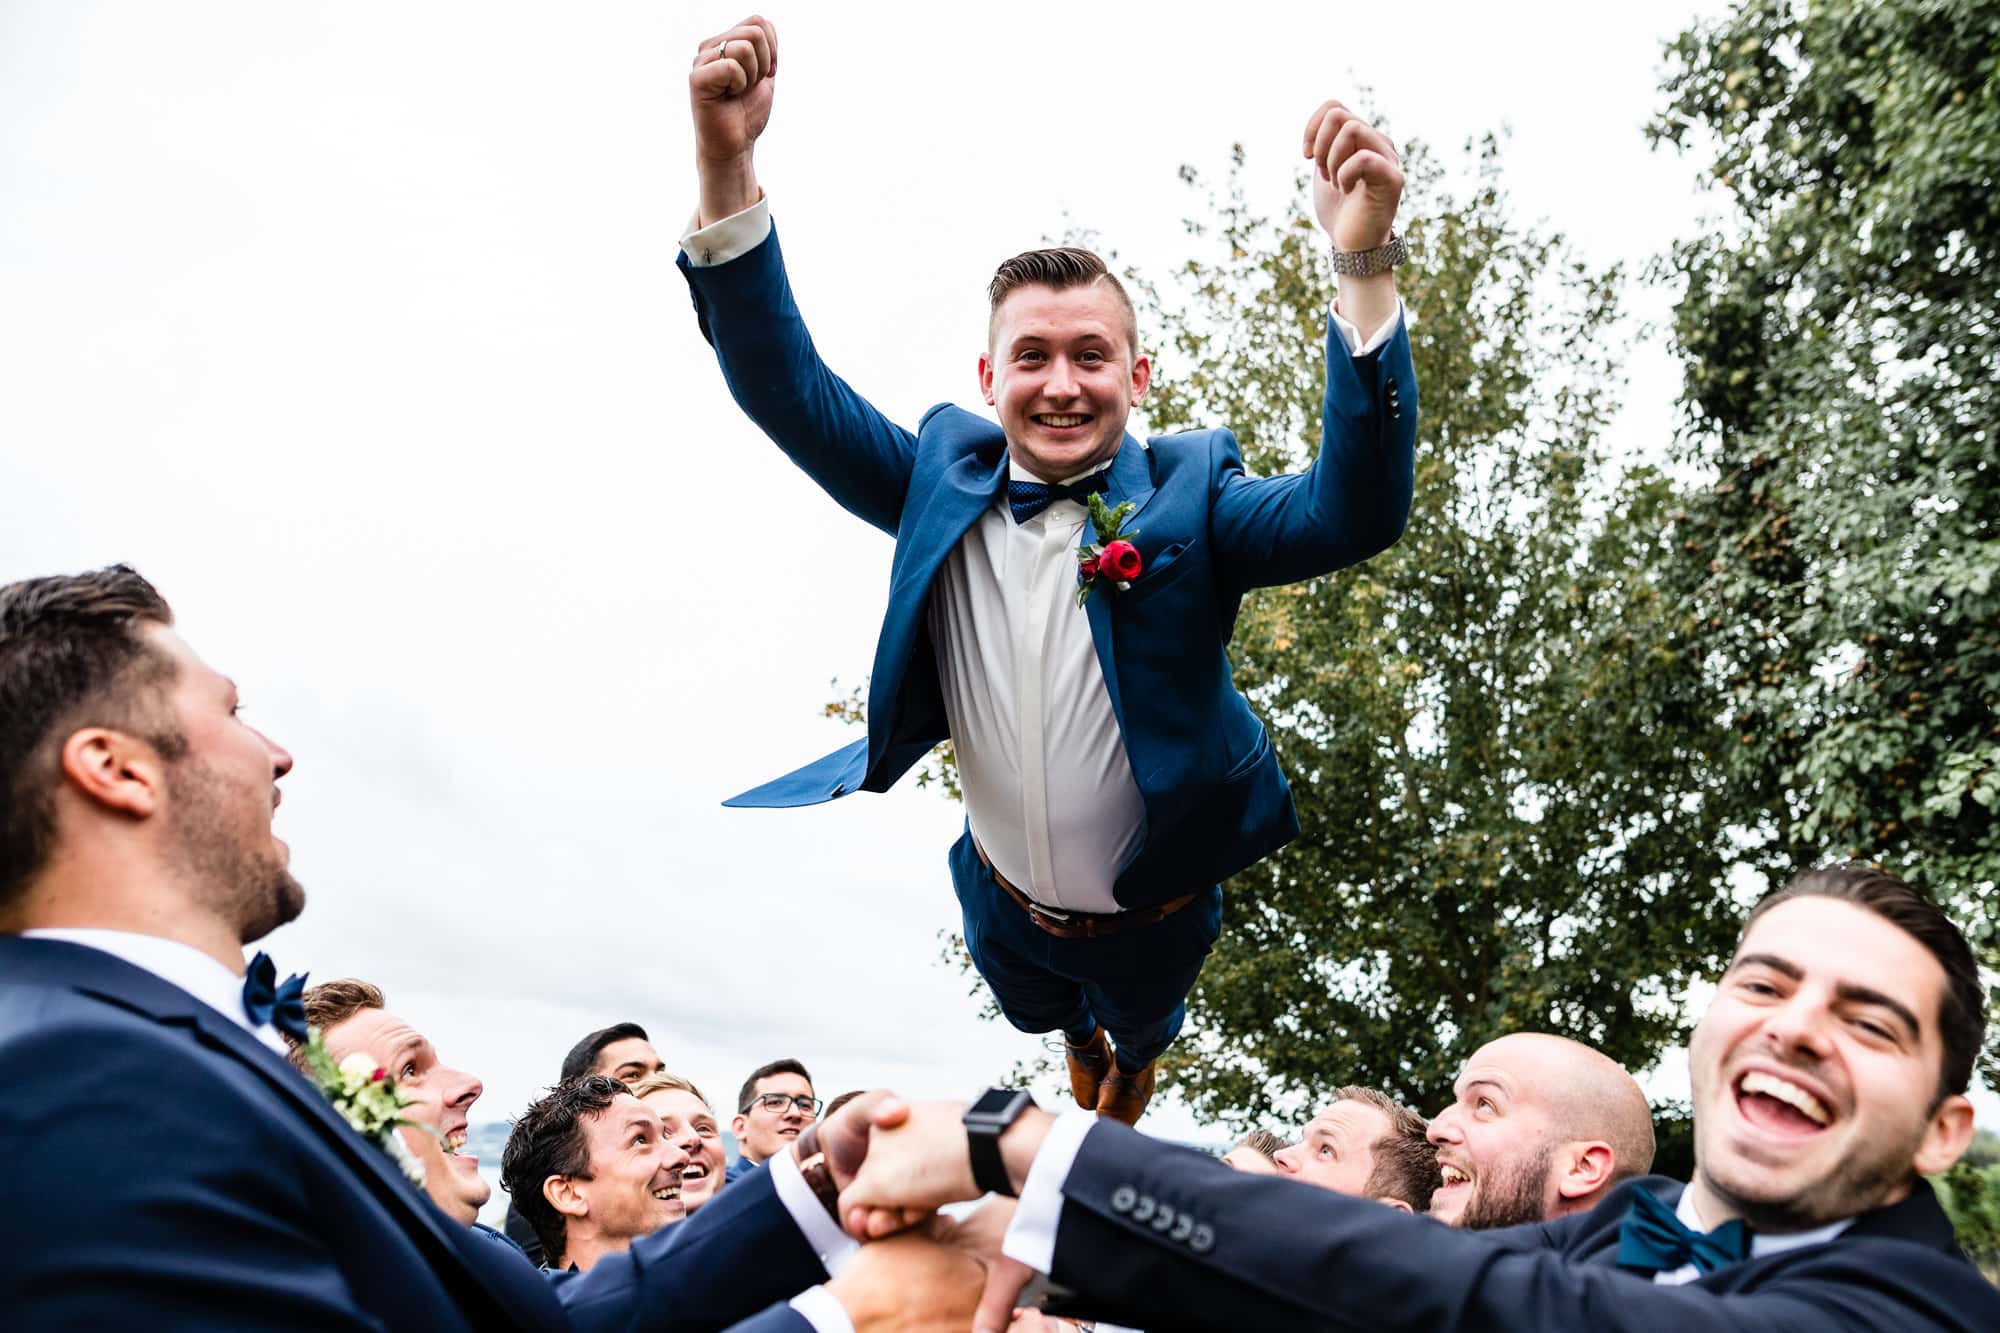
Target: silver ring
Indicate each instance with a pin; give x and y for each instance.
(722, 49)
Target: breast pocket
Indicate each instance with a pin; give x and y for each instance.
(1169, 565)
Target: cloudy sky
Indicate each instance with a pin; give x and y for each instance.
(357, 329)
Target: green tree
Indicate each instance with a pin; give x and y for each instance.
(1495, 733)
(1840, 329)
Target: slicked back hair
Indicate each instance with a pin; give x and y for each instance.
(71, 657)
(748, 1093)
(548, 1140)
(1406, 1165)
(1263, 1142)
(335, 1002)
(582, 1057)
(1059, 269)
(1962, 1008)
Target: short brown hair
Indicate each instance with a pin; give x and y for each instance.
(335, 1002)
(661, 1081)
(548, 1140)
(1962, 1008)
(1059, 269)
(70, 657)
(1406, 1165)
(1263, 1142)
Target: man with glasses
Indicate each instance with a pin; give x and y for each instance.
(773, 1108)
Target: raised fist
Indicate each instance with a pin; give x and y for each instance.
(1357, 178)
(729, 90)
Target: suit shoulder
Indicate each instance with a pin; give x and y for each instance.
(1211, 448)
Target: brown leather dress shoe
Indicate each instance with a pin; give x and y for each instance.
(1089, 1064)
(1124, 1095)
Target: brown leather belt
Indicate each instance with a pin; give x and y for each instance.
(1081, 925)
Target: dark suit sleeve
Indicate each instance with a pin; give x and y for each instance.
(1263, 1252)
(739, 1254)
(856, 454)
(1354, 499)
(211, 1231)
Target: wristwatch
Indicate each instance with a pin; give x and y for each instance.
(817, 1174)
(1367, 263)
(985, 1121)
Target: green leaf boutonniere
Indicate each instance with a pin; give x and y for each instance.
(366, 1098)
(1112, 557)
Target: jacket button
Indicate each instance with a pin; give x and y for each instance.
(1143, 1209)
(1203, 1239)
(1183, 1228)
(1163, 1219)
(1123, 1198)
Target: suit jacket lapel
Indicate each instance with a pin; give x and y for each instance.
(1131, 481)
(93, 972)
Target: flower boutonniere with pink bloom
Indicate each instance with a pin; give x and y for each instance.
(1112, 558)
(364, 1095)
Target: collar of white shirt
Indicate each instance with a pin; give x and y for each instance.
(177, 964)
(1760, 1243)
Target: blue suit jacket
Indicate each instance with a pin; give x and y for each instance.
(1215, 798)
(1166, 1238)
(165, 1170)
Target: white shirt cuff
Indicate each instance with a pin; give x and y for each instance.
(1349, 335)
(819, 1308)
(1031, 1236)
(833, 1246)
(732, 238)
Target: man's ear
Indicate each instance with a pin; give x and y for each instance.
(1587, 1166)
(1397, 1204)
(737, 1124)
(1946, 1140)
(116, 770)
(986, 379)
(1142, 377)
(564, 1197)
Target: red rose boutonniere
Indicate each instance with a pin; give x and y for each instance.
(1112, 557)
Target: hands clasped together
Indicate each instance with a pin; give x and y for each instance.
(896, 1164)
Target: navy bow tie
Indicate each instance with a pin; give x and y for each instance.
(1029, 498)
(283, 1007)
(1653, 1240)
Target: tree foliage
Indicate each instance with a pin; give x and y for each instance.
(1511, 805)
(1841, 337)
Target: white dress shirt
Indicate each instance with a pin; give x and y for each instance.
(177, 964)
(1049, 792)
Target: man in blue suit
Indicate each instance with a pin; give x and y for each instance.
(166, 1167)
(1112, 773)
(1828, 1079)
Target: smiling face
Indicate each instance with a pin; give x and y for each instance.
(1495, 1142)
(222, 790)
(1062, 373)
(1815, 1072)
(764, 1131)
(634, 1184)
(687, 1123)
(1337, 1150)
(443, 1101)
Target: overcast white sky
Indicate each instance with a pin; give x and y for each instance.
(356, 328)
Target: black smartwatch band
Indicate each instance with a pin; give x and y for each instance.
(985, 1121)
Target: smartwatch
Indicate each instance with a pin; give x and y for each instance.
(985, 1121)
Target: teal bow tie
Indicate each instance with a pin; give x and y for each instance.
(1652, 1239)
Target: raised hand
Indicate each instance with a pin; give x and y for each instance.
(730, 89)
(1357, 177)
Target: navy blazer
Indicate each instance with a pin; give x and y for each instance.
(166, 1170)
(1167, 1238)
(1215, 798)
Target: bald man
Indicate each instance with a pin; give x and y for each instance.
(1539, 1126)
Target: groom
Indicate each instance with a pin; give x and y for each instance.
(1112, 773)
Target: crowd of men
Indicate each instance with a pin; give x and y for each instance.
(194, 1178)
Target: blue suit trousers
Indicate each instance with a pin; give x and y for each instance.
(1135, 983)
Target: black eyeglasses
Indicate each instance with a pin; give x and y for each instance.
(777, 1102)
